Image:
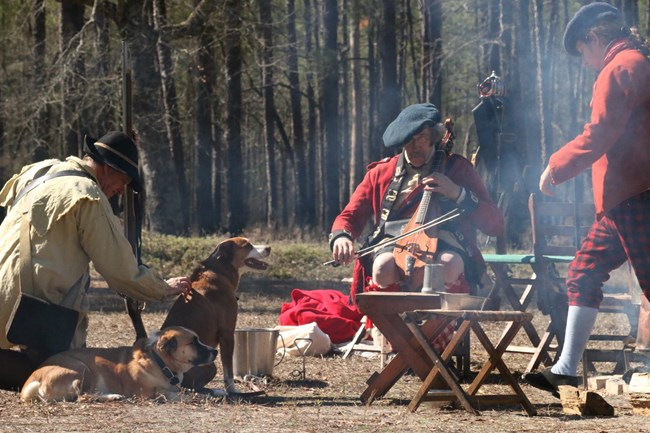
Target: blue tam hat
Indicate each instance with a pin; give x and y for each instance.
(410, 122)
(584, 20)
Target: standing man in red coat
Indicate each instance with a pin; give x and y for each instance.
(391, 191)
(615, 143)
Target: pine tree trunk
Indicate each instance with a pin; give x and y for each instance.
(311, 206)
(630, 10)
(540, 115)
(72, 21)
(104, 113)
(301, 180)
(375, 150)
(390, 100)
(431, 58)
(416, 66)
(435, 96)
(266, 20)
(162, 199)
(492, 49)
(205, 218)
(329, 90)
(40, 33)
(356, 132)
(344, 120)
(171, 114)
(529, 126)
(237, 216)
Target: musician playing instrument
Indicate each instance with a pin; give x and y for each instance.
(391, 192)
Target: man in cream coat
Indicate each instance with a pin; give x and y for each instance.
(59, 219)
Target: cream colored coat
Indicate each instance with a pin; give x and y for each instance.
(72, 224)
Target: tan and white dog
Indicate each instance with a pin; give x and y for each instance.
(211, 311)
(151, 368)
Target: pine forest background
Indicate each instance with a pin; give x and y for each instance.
(265, 113)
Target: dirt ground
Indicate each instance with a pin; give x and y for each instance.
(325, 400)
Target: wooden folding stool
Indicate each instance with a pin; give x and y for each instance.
(468, 399)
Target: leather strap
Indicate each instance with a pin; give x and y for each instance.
(25, 255)
(44, 178)
(25, 248)
(389, 199)
(169, 374)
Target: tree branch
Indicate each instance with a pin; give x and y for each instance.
(194, 24)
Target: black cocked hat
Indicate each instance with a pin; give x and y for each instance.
(119, 152)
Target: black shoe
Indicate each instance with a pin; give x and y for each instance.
(549, 381)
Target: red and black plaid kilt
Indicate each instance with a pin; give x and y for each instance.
(459, 286)
(622, 234)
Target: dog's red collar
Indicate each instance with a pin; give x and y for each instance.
(169, 374)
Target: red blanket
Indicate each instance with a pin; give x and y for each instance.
(328, 308)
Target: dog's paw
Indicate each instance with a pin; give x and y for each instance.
(231, 388)
(99, 398)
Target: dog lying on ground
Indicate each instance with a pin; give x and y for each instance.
(211, 311)
(152, 367)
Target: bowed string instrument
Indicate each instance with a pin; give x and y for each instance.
(413, 252)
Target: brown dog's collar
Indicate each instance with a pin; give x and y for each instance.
(169, 374)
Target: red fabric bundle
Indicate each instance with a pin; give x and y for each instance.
(328, 308)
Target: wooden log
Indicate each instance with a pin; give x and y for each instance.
(640, 383)
(615, 386)
(583, 403)
(640, 404)
(597, 382)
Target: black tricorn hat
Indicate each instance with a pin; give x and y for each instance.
(118, 151)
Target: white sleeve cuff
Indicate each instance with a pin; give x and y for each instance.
(462, 195)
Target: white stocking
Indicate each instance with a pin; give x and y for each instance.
(579, 323)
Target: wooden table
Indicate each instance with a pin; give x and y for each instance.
(384, 308)
(417, 321)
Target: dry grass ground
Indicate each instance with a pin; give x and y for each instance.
(327, 400)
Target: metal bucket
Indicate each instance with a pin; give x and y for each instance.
(254, 353)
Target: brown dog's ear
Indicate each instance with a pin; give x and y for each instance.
(168, 344)
(223, 250)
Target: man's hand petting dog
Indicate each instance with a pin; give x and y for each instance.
(179, 286)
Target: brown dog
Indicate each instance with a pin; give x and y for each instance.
(152, 367)
(212, 310)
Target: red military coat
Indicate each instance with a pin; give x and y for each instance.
(616, 141)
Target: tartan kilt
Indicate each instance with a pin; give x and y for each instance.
(623, 233)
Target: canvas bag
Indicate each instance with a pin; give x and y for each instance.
(42, 326)
(307, 339)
